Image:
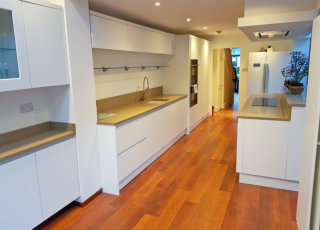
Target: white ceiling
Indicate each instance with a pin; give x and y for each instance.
(267, 7)
(171, 15)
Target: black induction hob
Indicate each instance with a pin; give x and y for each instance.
(264, 101)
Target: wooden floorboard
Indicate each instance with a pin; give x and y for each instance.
(194, 185)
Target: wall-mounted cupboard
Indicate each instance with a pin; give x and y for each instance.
(33, 49)
(115, 34)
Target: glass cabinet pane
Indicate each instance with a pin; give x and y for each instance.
(8, 55)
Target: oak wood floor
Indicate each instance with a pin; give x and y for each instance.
(192, 186)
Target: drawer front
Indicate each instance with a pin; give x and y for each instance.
(131, 133)
(133, 157)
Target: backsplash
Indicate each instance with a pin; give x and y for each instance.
(118, 82)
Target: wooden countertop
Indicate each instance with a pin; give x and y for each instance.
(131, 111)
(281, 112)
(29, 139)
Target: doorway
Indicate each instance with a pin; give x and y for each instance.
(235, 55)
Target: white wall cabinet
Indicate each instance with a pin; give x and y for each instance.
(115, 34)
(14, 69)
(108, 34)
(47, 49)
(20, 205)
(58, 176)
(35, 186)
(33, 50)
(128, 149)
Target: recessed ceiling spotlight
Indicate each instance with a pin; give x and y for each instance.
(188, 19)
(157, 4)
(217, 32)
(205, 28)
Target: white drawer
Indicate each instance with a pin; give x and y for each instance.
(131, 133)
(133, 157)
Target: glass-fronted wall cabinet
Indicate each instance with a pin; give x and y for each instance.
(14, 71)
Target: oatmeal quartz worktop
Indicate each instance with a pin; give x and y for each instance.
(280, 112)
(122, 114)
(19, 142)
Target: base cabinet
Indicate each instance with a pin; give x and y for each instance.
(20, 204)
(35, 186)
(128, 149)
(58, 176)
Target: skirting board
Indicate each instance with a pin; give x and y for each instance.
(135, 173)
(195, 125)
(269, 182)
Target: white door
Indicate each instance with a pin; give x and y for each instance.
(255, 72)
(14, 70)
(276, 61)
(58, 176)
(311, 132)
(20, 205)
(47, 49)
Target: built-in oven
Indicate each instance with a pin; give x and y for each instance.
(194, 82)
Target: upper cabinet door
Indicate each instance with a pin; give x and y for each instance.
(108, 34)
(47, 49)
(14, 71)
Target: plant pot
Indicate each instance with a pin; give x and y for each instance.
(295, 89)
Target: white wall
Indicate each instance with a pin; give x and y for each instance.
(246, 46)
(83, 95)
(118, 82)
(50, 104)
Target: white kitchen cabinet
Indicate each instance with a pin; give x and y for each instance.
(58, 176)
(129, 148)
(265, 148)
(108, 34)
(14, 69)
(115, 34)
(47, 49)
(141, 39)
(20, 204)
(295, 143)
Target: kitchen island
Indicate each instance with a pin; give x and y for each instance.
(269, 145)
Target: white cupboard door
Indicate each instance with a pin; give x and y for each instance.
(47, 49)
(20, 205)
(58, 176)
(164, 43)
(108, 34)
(14, 69)
(265, 148)
(141, 40)
(295, 143)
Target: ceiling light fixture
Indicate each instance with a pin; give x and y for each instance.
(205, 28)
(188, 19)
(157, 4)
(217, 32)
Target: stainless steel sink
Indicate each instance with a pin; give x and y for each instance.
(102, 116)
(157, 101)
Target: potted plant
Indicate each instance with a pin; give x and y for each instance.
(297, 69)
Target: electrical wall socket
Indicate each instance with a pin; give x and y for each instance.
(27, 107)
